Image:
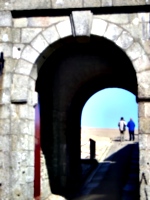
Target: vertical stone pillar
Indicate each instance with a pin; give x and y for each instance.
(144, 145)
(22, 151)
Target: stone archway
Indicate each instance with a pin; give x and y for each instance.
(33, 55)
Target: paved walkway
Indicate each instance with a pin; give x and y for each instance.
(116, 177)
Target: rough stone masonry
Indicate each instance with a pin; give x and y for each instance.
(24, 39)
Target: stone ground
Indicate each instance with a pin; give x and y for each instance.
(112, 155)
(117, 174)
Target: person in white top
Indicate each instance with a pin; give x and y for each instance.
(122, 127)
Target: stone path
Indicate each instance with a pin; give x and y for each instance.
(116, 176)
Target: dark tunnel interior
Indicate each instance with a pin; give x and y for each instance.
(67, 79)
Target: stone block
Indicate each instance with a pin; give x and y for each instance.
(6, 81)
(144, 125)
(81, 23)
(22, 126)
(51, 34)
(135, 51)
(5, 183)
(66, 3)
(17, 50)
(5, 19)
(115, 18)
(91, 3)
(31, 141)
(19, 142)
(4, 159)
(9, 66)
(28, 5)
(39, 43)
(28, 34)
(23, 67)
(5, 96)
(125, 40)
(107, 3)
(4, 111)
(113, 31)
(20, 22)
(64, 29)
(142, 63)
(19, 88)
(30, 158)
(29, 54)
(146, 45)
(128, 3)
(34, 72)
(6, 48)
(32, 98)
(132, 29)
(144, 110)
(45, 189)
(5, 142)
(5, 126)
(144, 90)
(39, 21)
(98, 27)
(16, 35)
(5, 34)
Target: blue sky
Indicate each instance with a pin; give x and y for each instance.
(104, 108)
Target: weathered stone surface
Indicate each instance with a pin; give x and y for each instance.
(20, 22)
(4, 111)
(28, 34)
(113, 32)
(98, 27)
(29, 54)
(135, 51)
(51, 34)
(107, 2)
(32, 98)
(34, 73)
(23, 67)
(6, 48)
(114, 18)
(132, 29)
(39, 21)
(5, 18)
(5, 126)
(146, 45)
(127, 3)
(27, 5)
(19, 142)
(82, 23)
(141, 64)
(64, 29)
(17, 50)
(39, 43)
(5, 181)
(144, 110)
(91, 3)
(9, 66)
(18, 89)
(66, 3)
(5, 34)
(125, 40)
(5, 81)
(5, 143)
(144, 125)
(5, 96)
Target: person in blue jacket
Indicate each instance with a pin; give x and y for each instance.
(131, 127)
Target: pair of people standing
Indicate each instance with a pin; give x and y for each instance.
(122, 127)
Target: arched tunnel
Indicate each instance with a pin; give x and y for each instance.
(67, 79)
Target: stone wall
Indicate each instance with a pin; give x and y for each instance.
(55, 4)
(23, 40)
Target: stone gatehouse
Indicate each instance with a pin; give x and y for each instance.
(58, 53)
